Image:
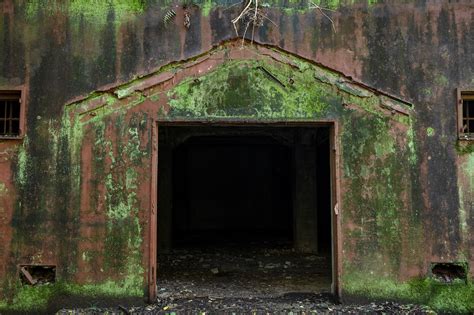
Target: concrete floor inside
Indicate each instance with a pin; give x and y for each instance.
(243, 212)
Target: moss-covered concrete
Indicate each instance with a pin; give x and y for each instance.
(60, 52)
(41, 299)
(97, 11)
(377, 147)
(103, 137)
(457, 298)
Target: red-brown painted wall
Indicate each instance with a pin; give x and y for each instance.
(419, 51)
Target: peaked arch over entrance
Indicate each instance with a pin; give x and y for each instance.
(246, 85)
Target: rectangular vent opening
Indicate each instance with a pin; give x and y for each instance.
(37, 274)
(449, 272)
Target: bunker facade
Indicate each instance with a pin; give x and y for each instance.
(100, 97)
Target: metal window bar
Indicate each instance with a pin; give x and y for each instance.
(10, 114)
(470, 116)
(467, 114)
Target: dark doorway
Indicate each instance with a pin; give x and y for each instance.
(244, 210)
(231, 188)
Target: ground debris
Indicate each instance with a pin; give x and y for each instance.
(291, 303)
(255, 279)
(256, 269)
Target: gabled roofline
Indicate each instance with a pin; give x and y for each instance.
(160, 74)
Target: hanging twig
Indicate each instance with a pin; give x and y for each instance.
(237, 19)
(251, 11)
(313, 5)
(232, 5)
(249, 15)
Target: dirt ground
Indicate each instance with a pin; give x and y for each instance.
(254, 270)
(260, 279)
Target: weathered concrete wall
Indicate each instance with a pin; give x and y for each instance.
(418, 174)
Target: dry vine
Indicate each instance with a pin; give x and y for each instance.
(313, 5)
(251, 14)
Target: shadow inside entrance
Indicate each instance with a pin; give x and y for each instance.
(243, 211)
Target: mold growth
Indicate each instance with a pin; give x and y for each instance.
(96, 11)
(22, 161)
(375, 156)
(116, 162)
(466, 193)
(455, 298)
(430, 132)
(3, 189)
(464, 147)
(252, 89)
(89, 10)
(38, 298)
(375, 146)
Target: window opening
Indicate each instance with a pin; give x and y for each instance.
(466, 119)
(10, 102)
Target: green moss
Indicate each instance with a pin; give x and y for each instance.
(36, 298)
(374, 158)
(22, 162)
(95, 11)
(254, 89)
(427, 92)
(206, 7)
(373, 162)
(115, 165)
(466, 194)
(3, 189)
(453, 298)
(464, 147)
(123, 240)
(430, 132)
(413, 157)
(441, 80)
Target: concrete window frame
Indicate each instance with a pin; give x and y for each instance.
(7, 91)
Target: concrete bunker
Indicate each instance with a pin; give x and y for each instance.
(121, 139)
(246, 209)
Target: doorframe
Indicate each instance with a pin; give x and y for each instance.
(335, 187)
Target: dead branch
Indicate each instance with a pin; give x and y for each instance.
(251, 15)
(313, 5)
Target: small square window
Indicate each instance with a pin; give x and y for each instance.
(11, 118)
(466, 115)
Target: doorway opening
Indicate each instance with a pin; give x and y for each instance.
(244, 210)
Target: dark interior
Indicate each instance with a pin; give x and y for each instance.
(244, 208)
(231, 188)
(9, 114)
(236, 184)
(468, 116)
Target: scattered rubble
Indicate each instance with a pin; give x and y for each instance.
(258, 269)
(257, 279)
(297, 303)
